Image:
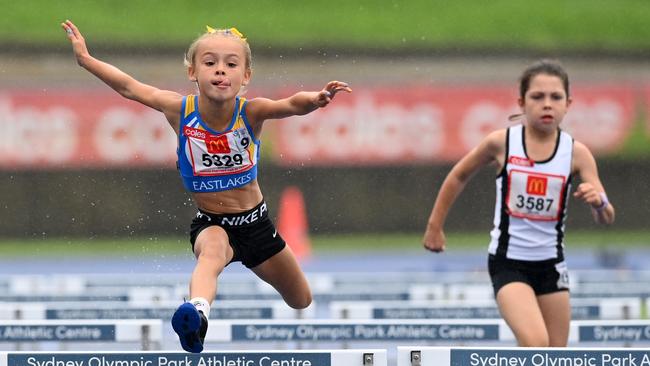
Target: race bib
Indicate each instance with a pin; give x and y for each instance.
(534, 196)
(223, 154)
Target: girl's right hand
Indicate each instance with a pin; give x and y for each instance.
(434, 240)
(77, 40)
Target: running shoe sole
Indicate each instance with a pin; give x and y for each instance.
(186, 323)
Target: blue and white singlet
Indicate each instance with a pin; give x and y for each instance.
(213, 161)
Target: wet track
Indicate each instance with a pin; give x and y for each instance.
(455, 261)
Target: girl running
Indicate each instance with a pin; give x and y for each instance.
(536, 163)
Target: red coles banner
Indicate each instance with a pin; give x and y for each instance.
(404, 126)
(81, 128)
(374, 126)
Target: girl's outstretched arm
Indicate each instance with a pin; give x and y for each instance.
(591, 190)
(301, 103)
(165, 101)
(488, 151)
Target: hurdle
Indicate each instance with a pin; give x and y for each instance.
(148, 332)
(325, 287)
(253, 291)
(609, 275)
(322, 297)
(360, 357)
(493, 331)
(473, 291)
(605, 331)
(364, 330)
(118, 310)
(325, 282)
(151, 295)
(520, 356)
(455, 291)
(78, 283)
(612, 289)
(582, 308)
(141, 294)
(62, 298)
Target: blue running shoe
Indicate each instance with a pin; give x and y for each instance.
(191, 326)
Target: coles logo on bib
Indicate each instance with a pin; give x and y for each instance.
(516, 160)
(193, 132)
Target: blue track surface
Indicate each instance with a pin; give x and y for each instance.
(637, 259)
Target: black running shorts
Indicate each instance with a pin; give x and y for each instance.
(251, 234)
(544, 277)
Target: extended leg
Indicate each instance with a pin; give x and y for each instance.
(556, 310)
(519, 308)
(283, 273)
(213, 253)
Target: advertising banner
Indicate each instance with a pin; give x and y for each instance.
(81, 129)
(410, 126)
(372, 126)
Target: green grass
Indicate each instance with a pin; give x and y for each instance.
(415, 25)
(471, 241)
(637, 144)
(93, 247)
(321, 244)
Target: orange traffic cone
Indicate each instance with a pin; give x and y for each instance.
(292, 222)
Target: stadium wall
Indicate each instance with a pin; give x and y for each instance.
(152, 202)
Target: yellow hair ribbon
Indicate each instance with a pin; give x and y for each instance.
(232, 30)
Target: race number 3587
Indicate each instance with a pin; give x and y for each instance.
(535, 196)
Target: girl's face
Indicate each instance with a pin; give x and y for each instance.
(220, 67)
(545, 103)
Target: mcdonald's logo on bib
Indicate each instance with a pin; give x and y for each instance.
(218, 144)
(536, 185)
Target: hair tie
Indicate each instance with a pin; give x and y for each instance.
(232, 31)
(515, 117)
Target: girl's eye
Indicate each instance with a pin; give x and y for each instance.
(209, 63)
(557, 96)
(232, 64)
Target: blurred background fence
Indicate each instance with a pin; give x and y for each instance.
(430, 79)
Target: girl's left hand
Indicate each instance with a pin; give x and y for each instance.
(588, 193)
(326, 95)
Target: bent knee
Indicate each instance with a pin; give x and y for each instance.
(214, 258)
(214, 263)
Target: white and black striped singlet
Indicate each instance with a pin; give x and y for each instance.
(531, 204)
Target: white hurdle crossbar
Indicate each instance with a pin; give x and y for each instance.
(494, 331)
(360, 357)
(321, 282)
(476, 291)
(610, 331)
(359, 330)
(606, 308)
(145, 331)
(520, 356)
(120, 310)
